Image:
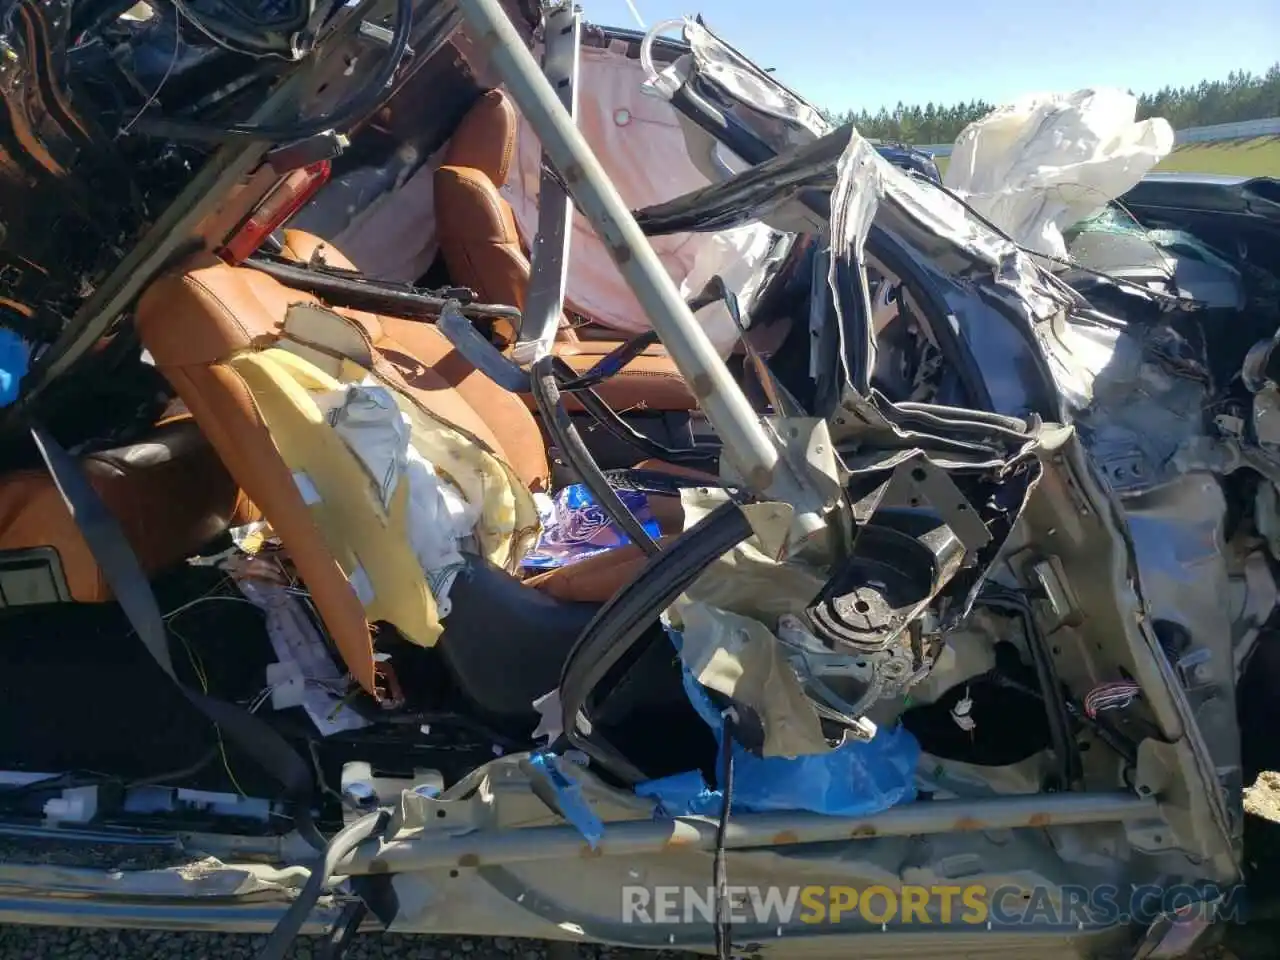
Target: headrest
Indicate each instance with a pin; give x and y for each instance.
(486, 138)
(471, 210)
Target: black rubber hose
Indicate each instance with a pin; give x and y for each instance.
(343, 842)
(559, 424)
(622, 622)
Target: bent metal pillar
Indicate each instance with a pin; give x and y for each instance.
(746, 444)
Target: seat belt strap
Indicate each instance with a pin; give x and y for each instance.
(123, 572)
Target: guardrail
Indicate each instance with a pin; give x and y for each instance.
(1270, 127)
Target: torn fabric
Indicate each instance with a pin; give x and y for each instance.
(439, 520)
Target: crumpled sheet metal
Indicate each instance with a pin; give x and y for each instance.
(862, 173)
(204, 878)
(741, 659)
(860, 183)
(727, 617)
(713, 61)
(855, 778)
(750, 579)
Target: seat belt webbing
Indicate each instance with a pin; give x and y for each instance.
(123, 572)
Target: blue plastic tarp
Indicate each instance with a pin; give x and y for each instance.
(15, 356)
(855, 779)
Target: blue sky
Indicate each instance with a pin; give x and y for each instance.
(850, 53)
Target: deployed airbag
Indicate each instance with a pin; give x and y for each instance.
(1042, 163)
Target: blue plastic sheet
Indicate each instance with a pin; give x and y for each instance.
(569, 796)
(15, 355)
(854, 780)
(577, 528)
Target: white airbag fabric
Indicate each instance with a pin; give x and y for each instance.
(1036, 166)
(370, 423)
(638, 139)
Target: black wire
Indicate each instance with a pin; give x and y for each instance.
(176, 776)
(561, 427)
(1064, 745)
(347, 114)
(70, 779)
(720, 870)
(62, 781)
(463, 722)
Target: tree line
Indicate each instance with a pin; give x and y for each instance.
(1243, 95)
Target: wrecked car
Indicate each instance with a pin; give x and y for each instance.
(450, 591)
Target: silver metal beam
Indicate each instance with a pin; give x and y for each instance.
(747, 445)
(487, 848)
(549, 257)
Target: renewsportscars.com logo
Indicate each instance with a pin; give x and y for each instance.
(1063, 907)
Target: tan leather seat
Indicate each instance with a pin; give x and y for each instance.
(483, 249)
(194, 322)
(169, 492)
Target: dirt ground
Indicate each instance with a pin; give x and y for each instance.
(1257, 940)
(1263, 798)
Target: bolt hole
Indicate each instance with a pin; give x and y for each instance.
(1057, 651)
(918, 474)
(915, 501)
(440, 814)
(962, 507)
(861, 606)
(1158, 838)
(454, 874)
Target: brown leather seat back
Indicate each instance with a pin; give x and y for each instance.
(483, 250)
(195, 322)
(428, 361)
(474, 225)
(169, 492)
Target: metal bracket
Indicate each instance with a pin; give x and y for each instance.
(916, 481)
(549, 261)
(479, 352)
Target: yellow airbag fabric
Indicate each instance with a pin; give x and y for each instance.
(360, 534)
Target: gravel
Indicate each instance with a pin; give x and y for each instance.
(37, 943)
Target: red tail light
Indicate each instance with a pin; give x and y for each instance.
(284, 200)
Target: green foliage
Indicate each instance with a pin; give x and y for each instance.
(1242, 96)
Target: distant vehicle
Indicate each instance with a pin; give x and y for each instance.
(911, 159)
